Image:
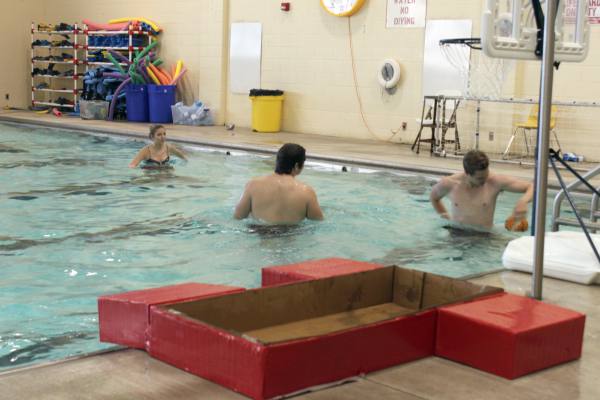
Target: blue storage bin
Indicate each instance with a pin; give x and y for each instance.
(160, 100)
(137, 102)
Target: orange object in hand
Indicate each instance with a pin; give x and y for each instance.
(516, 226)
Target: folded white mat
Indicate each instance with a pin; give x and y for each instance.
(567, 255)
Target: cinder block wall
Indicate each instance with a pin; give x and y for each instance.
(306, 52)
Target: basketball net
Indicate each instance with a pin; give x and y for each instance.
(484, 76)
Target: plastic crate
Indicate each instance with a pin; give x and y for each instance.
(196, 114)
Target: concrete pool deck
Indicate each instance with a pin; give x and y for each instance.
(132, 374)
(326, 148)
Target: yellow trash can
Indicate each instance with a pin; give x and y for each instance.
(266, 113)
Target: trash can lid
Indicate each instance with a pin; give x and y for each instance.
(265, 92)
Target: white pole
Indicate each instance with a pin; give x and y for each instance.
(541, 189)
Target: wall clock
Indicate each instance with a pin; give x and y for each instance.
(342, 8)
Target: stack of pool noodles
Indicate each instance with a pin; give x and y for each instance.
(144, 68)
(125, 24)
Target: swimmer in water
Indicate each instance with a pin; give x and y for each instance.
(280, 198)
(157, 154)
(473, 194)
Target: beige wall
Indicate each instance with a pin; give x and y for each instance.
(306, 53)
(193, 32)
(15, 22)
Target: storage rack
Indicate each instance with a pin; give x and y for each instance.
(74, 61)
(130, 49)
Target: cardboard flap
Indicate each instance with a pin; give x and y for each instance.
(408, 287)
(440, 290)
(322, 306)
(264, 307)
(329, 323)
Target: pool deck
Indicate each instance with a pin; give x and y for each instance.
(371, 153)
(132, 374)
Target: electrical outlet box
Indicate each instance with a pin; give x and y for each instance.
(491, 135)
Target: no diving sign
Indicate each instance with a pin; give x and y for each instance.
(406, 13)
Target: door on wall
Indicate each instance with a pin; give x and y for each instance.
(439, 76)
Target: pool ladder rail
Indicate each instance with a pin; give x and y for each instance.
(591, 219)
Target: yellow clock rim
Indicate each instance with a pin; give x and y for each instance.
(348, 13)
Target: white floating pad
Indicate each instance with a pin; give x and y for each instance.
(567, 255)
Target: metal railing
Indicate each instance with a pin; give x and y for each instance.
(592, 220)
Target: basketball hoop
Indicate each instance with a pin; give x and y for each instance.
(484, 76)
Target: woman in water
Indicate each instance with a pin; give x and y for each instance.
(157, 154)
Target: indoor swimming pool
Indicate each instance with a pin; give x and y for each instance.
(77, 223)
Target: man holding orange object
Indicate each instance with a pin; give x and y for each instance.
(473, 194)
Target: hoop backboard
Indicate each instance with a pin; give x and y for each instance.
(509, 30)
(484, 75)
(440, 76)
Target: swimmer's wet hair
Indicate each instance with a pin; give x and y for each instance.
(288, 156)
(153, 130)
(474, 161)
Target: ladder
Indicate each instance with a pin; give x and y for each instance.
(591, 220)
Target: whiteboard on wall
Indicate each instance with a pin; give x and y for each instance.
(245, 46)
(439, 76)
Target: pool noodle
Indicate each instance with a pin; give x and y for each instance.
(117, 75)
(119, 56)
(113, 103)
(154, 70)
(137, 78)
(115, 62)
(128, 19)
(163, 79)
(178, 77)
(145, 51)
(152, 76)
(166, 74)
(178, 68)
(92, 26)
(140, 69)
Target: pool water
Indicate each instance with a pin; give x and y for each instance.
(77, 224)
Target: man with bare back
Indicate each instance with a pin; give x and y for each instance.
(280, 198)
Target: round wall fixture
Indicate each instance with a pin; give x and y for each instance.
(342, 8)
(389, 74)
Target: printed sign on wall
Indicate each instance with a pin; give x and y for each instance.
(593, 11)
(406, 13)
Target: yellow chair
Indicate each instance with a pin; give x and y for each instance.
(529, 125)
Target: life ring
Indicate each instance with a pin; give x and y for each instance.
(389, 73)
